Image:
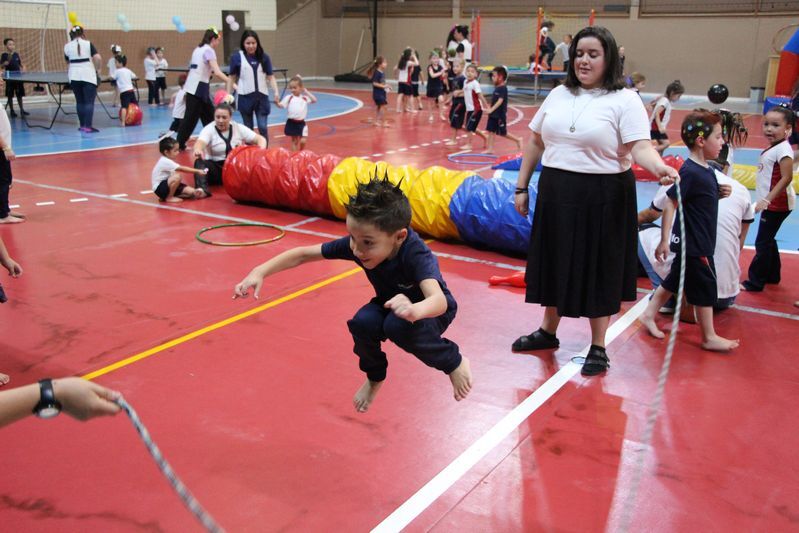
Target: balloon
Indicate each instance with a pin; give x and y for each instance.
(176, 20)
(235, 26)
(181, 28)
(222, 96)
(718, 93)
(134, 115)
(230, 19)
(126, 26)
(121, 18)
(73, 18)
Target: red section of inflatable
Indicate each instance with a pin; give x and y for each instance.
(787, 73)
(641, 174)
(277, 177)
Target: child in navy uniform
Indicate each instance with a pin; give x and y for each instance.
(457, 112)
(296, 106)
(11, 61)
(701, 133)
(379, 88)
(412, 306)
(498, 111)
(435, 85)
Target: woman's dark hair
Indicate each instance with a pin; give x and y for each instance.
(259, 51)
(673, 88)
(733, 129)
(403, 60)
(381, 203)
(612, 79)
(209, 35)
(451, 35)
(76, 31)
(463, 29)
(225, 107)
(122, 60)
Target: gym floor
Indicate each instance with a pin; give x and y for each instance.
(251, 401)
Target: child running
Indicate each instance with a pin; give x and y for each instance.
(775, 197)
(167, 185)
(405, 65)
(296, 106)
(412, 306)
(661, 115)
(475, 103)
(436, 74)
(124, 79)
(457, 111)
(637, 82)
(701, 133)
(379, 88)
(498, 112)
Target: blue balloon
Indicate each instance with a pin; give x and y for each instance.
(181, 28)
(121, 18)
(126, 26)
(176, 20)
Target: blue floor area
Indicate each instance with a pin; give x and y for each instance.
(65, 137)
(787, 238)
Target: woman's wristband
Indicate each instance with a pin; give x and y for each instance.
(521, 190)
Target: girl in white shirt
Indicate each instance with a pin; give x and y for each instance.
(150, 64)
(160, 74)
(661, 114)
(296, 105)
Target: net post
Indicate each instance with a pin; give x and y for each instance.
(592, 17)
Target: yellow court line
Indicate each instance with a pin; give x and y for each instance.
(194, 334)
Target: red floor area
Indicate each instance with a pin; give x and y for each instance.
(256, 416)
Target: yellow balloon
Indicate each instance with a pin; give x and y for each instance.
(73, 18)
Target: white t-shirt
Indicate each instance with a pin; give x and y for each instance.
(296, 106)
(5, 130)
(666, 113)
(83, 69)
(467, 49)
(179, 109)
(124, 78)
(603, 123)
(769, 173)
(735, 210)
(471, 90)
(149, 68)
(112, 67)
(563, 50)
(162, 170)
(404, 74)
(161, 64)
(215, 145)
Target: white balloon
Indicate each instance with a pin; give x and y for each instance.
(235, 26)
(230, 19)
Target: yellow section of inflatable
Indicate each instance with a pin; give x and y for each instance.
(428, 191)
(747, 175)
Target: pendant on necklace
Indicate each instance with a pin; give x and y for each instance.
(571, 129)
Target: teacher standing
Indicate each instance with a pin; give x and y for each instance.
(203, 65)
(84, 63)
(251, 68)
(582, 255)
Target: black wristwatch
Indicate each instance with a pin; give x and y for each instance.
(48, 406)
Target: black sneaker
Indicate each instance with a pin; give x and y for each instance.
(12, 114)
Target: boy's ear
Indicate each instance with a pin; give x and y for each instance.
(401, 234)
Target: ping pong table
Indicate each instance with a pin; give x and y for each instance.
(59, 80)
(226, 70)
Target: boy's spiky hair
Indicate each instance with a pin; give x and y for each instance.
(381, 203)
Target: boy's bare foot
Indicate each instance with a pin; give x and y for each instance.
(461, 379)
(649, 323)
(10, 219)
(466, 147)
(17, 214)
(4, 379)
(796, 303)
(720, 344)
(450, 143)
(174, 200)
(199, 193)
(365, 395)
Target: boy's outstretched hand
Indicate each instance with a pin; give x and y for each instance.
(242, 289)
(402, 307)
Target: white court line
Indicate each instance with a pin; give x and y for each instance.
(120, 195)
(389, 152)
(73, 200)
(376, 155)
(402, 150)
(146, 192)
(434, 488)
(43, 203)
(436, 142)
(414, 147)
(302, 222)
(425, 144)
(13, 206)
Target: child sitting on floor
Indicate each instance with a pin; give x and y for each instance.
(167, 185)
(412, 306)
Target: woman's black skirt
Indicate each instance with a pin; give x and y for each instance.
(583, 246)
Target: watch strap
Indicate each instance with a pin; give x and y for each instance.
(47, 397)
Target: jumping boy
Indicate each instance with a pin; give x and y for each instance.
(167, 184)
(475, 103)
(412, 305)
(701, 133)
(498, 112)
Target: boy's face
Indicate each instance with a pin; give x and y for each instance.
(497, 78)
(10, 46)
(295, 88)
(471, 73)
(457, 68)
(711, 146)
(173, 152)
(371, 245)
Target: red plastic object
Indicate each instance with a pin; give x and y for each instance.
(134, 116)
(515, 280)
(641, 174)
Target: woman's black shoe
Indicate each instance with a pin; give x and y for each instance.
(596, 362)
(537, 340)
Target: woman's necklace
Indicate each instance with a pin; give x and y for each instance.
(574, 120)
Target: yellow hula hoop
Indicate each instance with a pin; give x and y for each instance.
(279, 236)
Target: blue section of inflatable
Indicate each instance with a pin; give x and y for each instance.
(513, 164)
(484, 213)
(793, 44)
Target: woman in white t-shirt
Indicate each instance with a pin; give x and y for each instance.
(215, 142)
(202, 66)
(150, 64)
(84, 63)
(582, 260)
